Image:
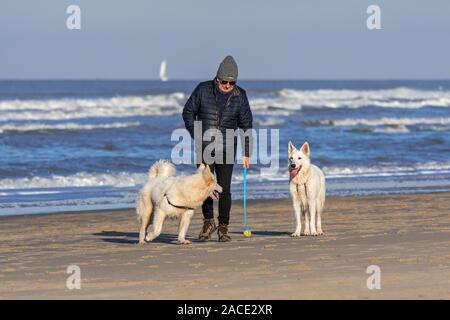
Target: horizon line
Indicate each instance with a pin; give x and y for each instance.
(205, 79)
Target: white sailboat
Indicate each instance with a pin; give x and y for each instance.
(163, 71)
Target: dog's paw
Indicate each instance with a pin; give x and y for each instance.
(141, 243)
(320, 232)
(306, 233)
(184, 241)
(314, 233)
(295, 235)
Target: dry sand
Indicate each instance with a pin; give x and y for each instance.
(407, 236)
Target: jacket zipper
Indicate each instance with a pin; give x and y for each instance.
(219, 121)
(226, 105)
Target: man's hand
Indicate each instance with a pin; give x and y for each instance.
(246, 162)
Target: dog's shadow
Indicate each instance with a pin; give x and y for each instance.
(267, 233)
(132, 237)
(118, 237)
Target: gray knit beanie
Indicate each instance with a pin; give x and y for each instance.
(228, 69)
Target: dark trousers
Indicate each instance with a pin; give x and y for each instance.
(223, 176)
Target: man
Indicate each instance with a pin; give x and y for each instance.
(220, 104)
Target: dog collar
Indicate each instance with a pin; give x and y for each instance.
(177, 206)
(304, 185)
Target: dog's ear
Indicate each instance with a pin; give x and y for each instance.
(291, 147)
(207, 175)
(201, 167)
(305, 149)
(205, 169)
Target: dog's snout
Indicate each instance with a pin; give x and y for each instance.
(292, 165)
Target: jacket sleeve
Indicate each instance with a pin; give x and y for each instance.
(190, 110)
(245, 122)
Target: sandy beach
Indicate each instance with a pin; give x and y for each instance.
(407, 236)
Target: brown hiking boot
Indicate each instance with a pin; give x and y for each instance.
(209, 226)
(222, 232)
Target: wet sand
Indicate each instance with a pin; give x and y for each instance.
(407, 236)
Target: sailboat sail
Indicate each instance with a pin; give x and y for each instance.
(163, 71)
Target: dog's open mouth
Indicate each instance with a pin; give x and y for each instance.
(294, 172)
(214, 195)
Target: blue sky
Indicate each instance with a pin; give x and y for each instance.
(284, 39)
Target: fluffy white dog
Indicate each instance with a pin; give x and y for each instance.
(307, 187)
(165, 195)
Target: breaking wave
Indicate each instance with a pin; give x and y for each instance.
(383, 121)
(80, 179)
(65, 126)
(281, 102)
(127, 179)
(66, 109)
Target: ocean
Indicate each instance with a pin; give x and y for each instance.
(85, 145)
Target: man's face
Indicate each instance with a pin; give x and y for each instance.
(225, 86)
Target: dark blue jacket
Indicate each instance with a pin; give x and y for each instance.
(202, 106)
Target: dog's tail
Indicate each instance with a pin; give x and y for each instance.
(161, 168)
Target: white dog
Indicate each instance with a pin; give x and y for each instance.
(165, 195)
(307, 187)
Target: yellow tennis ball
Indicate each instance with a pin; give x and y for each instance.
(247, 233)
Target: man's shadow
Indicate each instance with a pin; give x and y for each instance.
(132, 237)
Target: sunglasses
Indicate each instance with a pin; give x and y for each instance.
(232, 83)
